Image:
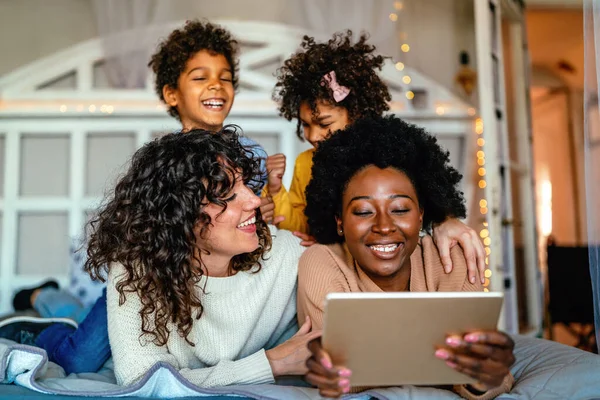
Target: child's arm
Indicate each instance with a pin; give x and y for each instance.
(134, 356)
(291, 204)
(451, 232)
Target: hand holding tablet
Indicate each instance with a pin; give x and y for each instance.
(391, 339)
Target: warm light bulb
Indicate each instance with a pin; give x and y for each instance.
(487, 241)
(487, 273)
(399, 66)
(405, 48)
(481, 161)
(487, 251)
(484, 233)
(479, 126)
(92, 108)
(483, 203)
(439, 110)
(481, 171)
(487, 282)
(63, 108)
(486, 290)
(480, 154)
(394, 17)
(480, 142)
(410, 95)
(406, 79)
(398, 5)
(483, 210)
(482, 184)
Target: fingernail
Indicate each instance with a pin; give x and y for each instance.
(472, 279)
(326, 363)
(346, 389)
(447, 268)
(471, 338)
(451, 364)
(443, 354)
(343, 383)
(345, 373)
(453, 341)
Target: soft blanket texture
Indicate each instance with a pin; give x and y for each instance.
(543, 370)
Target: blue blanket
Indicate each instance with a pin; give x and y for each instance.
(543, 370)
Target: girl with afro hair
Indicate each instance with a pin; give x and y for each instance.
(325, 87)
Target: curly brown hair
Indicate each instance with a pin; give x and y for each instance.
(182, 44)
(300, 78)
(148, 224)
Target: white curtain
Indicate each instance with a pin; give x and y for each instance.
(127, 54)
(130, 28)
(373, 16)
(592, 144)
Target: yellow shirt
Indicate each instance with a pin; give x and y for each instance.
(291, 204)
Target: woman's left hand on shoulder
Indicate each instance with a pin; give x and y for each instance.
(484, 356)
(452, 232)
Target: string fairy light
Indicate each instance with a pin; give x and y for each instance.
(484, 233)
(405, 47)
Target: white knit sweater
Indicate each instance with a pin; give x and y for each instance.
(243, 315)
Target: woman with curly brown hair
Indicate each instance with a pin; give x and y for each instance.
(325, 87)
(196, 278)
(196, 70)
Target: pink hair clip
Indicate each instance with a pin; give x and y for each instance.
(339, 92)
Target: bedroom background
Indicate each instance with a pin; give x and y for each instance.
(498, 81)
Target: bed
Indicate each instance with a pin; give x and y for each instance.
(544, 370)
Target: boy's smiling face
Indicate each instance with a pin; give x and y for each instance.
(204, 93)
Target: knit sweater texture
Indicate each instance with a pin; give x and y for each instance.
(243, 315)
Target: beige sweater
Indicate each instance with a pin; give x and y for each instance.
(243, 315)
(329, 269)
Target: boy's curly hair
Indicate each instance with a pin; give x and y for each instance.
(383, 142)
(148, 224)
(300, 78)
(182, 44)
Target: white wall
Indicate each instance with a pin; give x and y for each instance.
(438, 31)
(30, 29)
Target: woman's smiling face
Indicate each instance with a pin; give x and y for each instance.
(380, 220)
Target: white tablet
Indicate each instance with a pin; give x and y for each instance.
(389, 339)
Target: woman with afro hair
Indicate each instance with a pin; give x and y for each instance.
(325, 87)
(367, 205)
